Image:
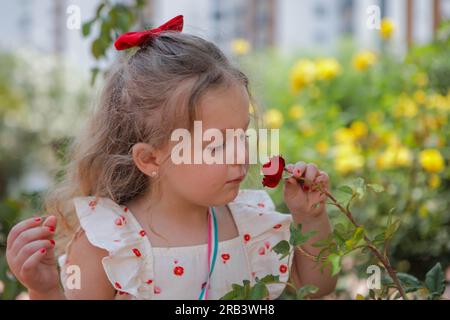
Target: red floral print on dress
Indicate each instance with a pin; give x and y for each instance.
(283, 268)
(149, 281)
(178, 271)
(92, 204)
(120, 221)
(117, 285)
(136, 252)
(225, 257)
(262, 251)
(157, 290)
(246, 237)
(277, 226)
(261, 205)
(142, 233)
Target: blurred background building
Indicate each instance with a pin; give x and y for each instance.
(287, 24)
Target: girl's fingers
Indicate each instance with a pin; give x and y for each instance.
(322, 179)
(50, 221)
(28, 268)
(32, 234)
(299, 169)
(310, 174)
(21, 227)
(290, 168)
(27, 250)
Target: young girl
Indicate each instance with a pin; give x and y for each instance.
(147, 228)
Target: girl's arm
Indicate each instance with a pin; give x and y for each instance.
(94, 284)
(301, 199)
(305, 270)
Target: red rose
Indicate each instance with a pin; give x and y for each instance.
(273, 171)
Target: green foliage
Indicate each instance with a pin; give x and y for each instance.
(111, 20)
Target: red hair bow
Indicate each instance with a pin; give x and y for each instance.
(133, 39)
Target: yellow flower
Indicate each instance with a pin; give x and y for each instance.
(434, 181)
(322, 147)
(423, 211)
(405, 107)
(359, 129)
(431, 160)
(420, 96)
(302, 74)
(347, 158)
(364, 60)
(375, 117)
(360, 297)
(274, 118)
(240, 46)
(296, 112)
(344, 135)
(394, 156)
(439, 102)
(327, 68)
(387, 28)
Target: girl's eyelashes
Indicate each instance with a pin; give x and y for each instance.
(223, 145)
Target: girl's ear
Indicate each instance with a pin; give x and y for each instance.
(146, 158)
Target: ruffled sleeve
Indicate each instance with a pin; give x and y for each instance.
(112, 227)
(262, 227)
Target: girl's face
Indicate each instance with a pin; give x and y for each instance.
(206, 184)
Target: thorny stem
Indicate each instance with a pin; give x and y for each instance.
(384, 260)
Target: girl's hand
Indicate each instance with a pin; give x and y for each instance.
(302, 196)
(30, 254)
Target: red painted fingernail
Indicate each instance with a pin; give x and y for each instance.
(52, 229)
(37, 219)
(43, 250)
(52, 242)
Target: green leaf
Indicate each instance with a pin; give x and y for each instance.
(98, 48)
(270, 278)
(346, 189)
(259, 291)
(357, 236)
(335, 261)
(359, 187)
(391, 229)
(409, 282)
(435, 281)
(304, 291)
(376, 187)
(297, 238)
(86, 28)
(282, 248)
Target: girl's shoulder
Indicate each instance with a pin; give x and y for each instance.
(110, 226)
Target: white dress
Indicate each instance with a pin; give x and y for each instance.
(139, 271)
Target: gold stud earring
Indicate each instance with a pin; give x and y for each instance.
(153, 174)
